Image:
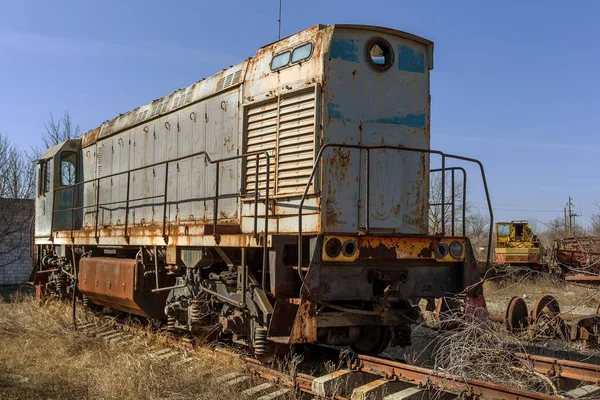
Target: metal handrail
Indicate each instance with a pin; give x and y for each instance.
(386, 147)
(452, 202)
(215, 198)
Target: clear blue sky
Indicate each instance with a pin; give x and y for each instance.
(515, 83)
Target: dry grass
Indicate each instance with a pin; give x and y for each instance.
(485, 351)
(42, 356)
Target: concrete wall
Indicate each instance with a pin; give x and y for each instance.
(16, 238)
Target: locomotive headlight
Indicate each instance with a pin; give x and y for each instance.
(456, 249)
(349, 248)
(441, 250)
(333, 247)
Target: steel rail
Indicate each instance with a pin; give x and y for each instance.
(557, 367)
(424, 377)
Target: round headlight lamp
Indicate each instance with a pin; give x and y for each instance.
(441, 250)
(456, 249)
(333, 247)
(349, 248)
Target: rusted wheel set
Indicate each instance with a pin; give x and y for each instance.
(546, 319)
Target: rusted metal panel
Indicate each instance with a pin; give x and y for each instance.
(578, 252)
(89, 138)
(396, 248)
(226, 79)
(518, 258)
(89, 189)
(118, 283)
(365, 106)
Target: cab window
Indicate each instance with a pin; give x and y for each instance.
(302, 53)
(68, 161)
(44, 178)
(280, 60)
(503, 229)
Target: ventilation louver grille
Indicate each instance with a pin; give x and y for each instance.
(229, 80)
(285, 127)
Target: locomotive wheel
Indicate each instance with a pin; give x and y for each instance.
(516, 318)
(372, 340)
(545, 305)
(545, 316)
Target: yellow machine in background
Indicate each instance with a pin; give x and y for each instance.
(517, 245)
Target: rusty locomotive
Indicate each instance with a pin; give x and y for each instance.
(284, 200)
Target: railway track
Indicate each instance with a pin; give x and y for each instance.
(366, 377)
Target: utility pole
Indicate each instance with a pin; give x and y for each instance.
(572, 215)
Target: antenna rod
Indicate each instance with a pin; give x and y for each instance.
(279, 20)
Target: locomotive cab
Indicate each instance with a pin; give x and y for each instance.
(58, 199)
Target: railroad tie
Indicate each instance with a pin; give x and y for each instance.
(341, 382)
(228, 377)
(184, 360)
(112, 335)
(123, 338)
(411, 393)
(584, 392)
(94, 328)
(158, 353)
(86, 326)
(104, 332)
(237, 380)
(377, 389)
(275, 395)
(257, 389)
(166, 356)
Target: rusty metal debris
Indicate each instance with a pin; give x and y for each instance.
(545, 319)
(578, 258)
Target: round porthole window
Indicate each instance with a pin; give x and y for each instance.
(380, 54)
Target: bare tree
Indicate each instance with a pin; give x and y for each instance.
(558, 229)
(437, 204)
(595, 222)
(17, 171)
(477, 225)
(443, 204)
(57, 131)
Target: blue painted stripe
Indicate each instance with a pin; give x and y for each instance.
(410, 60)
(345, 49)
(412, 120)
(333, 110)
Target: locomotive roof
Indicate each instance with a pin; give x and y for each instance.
(225, 79)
